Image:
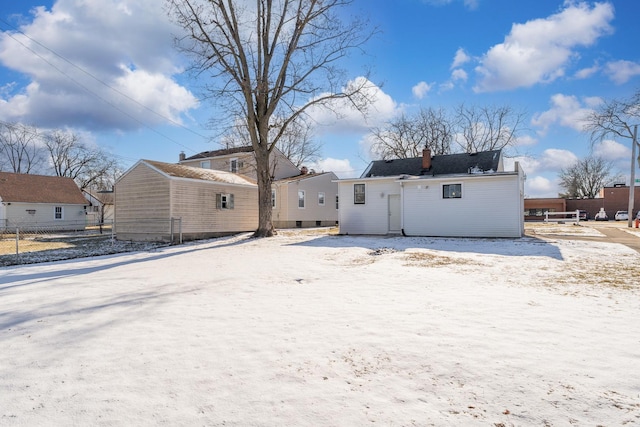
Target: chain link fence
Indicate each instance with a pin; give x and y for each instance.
(35, 243)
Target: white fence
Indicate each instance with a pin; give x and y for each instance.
(572, 216)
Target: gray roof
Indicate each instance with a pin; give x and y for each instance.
(440, 165)
(222, 152)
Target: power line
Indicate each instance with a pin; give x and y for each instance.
(101, 82)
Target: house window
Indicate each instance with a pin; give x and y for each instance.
(273, 198)
(358, 194)
(452, 191)
(321, 199)
(233, 165)
(301, 199)
(224, 201)
(58, 213)
(337, 201)
(205, 164)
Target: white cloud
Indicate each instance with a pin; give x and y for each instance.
(341, 117)
(525, 141)
(622, 71)
(585, 73)
(421, 89)
(341, 167)
(459, 75)
(538, 51)
(96, 51)
(529, 164)
(612, 150)
(554, 159)
(565, 110)
(460, 59)
(539, 186)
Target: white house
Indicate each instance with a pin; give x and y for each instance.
(456, 195)
(40, 201)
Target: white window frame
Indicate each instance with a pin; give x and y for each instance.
(273, 198)
(58, 210)
(301, 199)
(205, 164)
(321, 198)
(448, 196)
(337, 202)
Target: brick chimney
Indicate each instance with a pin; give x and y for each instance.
(426, 158)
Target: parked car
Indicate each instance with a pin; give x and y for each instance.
(621, 216)
(584, 215)
(601, 216)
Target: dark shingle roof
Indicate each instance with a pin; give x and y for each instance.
(222, 152)
(440, 165)
(27, 188)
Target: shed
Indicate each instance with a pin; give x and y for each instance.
(156, 201)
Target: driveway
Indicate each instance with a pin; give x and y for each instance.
(610, 231)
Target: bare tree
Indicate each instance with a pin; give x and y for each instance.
(406, 136)
(614, 118)
(297, 142)
(272, 61)
(487, 128)
(20, 148)
(586, 178)
(87, 166)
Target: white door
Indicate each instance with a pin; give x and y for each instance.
(394, 213)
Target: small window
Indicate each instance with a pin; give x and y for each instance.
(205, 164)
(233, 165)
(321, 199)
(301, 199)
(224, 201)
(452, 191)
(358, 194)
(273, 198)
(58, 212)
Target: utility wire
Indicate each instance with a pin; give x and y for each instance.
(101, 82)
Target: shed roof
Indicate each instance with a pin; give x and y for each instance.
(182, 171)
(27, 188)
(440, 165)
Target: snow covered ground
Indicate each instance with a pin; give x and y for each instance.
(307, 329)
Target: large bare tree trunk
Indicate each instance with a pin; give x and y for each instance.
(265, 223)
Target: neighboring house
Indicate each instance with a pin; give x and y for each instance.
(305, 200)
(101, 209)
(457, 195)
(299, 198)
(241, 160)
(41, 201)
(157, 201)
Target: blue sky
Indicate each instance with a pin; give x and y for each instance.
(554, 60)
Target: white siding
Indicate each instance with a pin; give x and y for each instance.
(372, 217)
(490, 207)
(73, 216)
